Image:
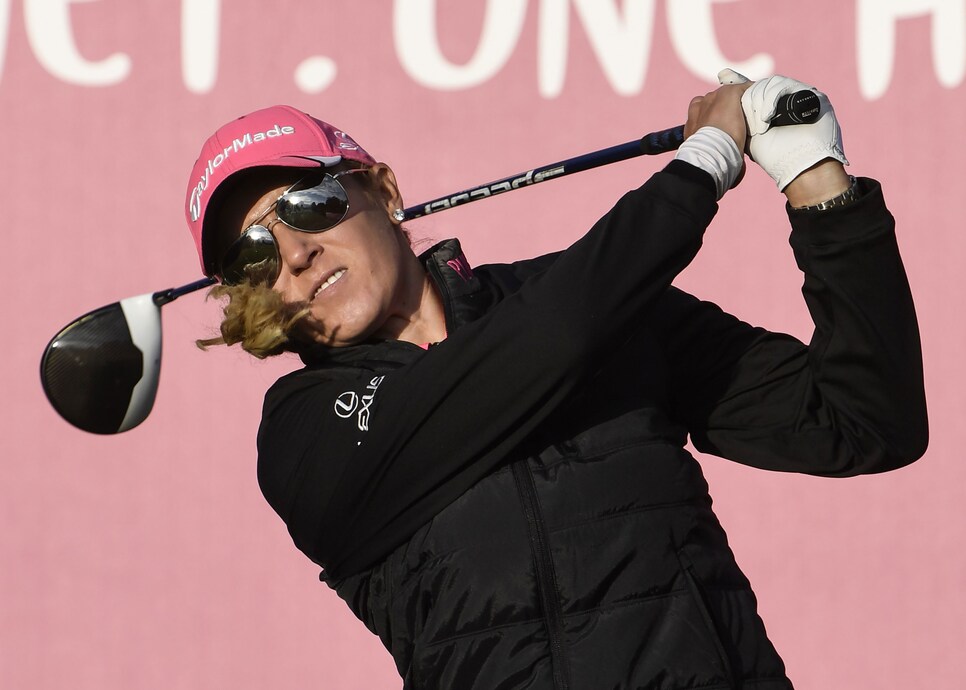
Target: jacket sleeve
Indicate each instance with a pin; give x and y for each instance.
(351, 486)
(852, 402)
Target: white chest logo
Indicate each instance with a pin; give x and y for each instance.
(348, 403)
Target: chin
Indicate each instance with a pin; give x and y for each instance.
(338, 336)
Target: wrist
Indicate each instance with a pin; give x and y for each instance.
(714, 151)
(820, 183)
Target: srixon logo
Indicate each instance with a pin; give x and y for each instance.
(351, 403)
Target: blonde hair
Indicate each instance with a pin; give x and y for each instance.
(256, 317)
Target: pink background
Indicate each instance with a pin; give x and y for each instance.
(150, 560)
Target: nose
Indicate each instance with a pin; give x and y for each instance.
(298, 250)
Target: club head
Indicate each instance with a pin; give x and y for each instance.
(100, 372)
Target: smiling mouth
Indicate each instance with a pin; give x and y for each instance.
(332, 280)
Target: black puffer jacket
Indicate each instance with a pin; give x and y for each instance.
(513, 507)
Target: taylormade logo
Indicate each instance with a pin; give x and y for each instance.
(247, 139)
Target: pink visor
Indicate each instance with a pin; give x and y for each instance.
(279, 136)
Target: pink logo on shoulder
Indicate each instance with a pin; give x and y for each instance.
(461, 266)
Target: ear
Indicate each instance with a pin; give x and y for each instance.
(386, 189)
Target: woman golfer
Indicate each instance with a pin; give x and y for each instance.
(488, 462)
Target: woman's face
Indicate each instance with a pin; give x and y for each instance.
(352, 278)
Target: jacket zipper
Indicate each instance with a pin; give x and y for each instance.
(449, 315)
(687, 569)
(546, 577)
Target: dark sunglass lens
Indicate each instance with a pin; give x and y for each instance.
(253, 257)
(316, 209)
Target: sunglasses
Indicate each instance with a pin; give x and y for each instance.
(309, 205)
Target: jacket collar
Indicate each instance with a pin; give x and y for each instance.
(463, 301)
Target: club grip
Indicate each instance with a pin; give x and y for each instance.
(800, 108)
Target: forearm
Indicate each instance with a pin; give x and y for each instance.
(850, 402)
(865, 352)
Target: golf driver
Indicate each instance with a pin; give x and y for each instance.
(101, 371)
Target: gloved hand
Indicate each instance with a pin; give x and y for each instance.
(786, 152)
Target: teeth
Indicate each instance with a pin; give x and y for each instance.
(332, 279)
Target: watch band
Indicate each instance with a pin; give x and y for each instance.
(843, 199)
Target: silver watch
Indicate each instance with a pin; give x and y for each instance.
(843, 199)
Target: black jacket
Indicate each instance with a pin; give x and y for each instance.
(514, 508)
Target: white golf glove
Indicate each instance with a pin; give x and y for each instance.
(786, 152)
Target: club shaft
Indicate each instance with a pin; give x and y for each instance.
(801, 107)
(653, 143)
(171, 294)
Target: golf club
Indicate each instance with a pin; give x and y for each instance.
(100, 372)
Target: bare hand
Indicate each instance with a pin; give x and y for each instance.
(720, 108)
